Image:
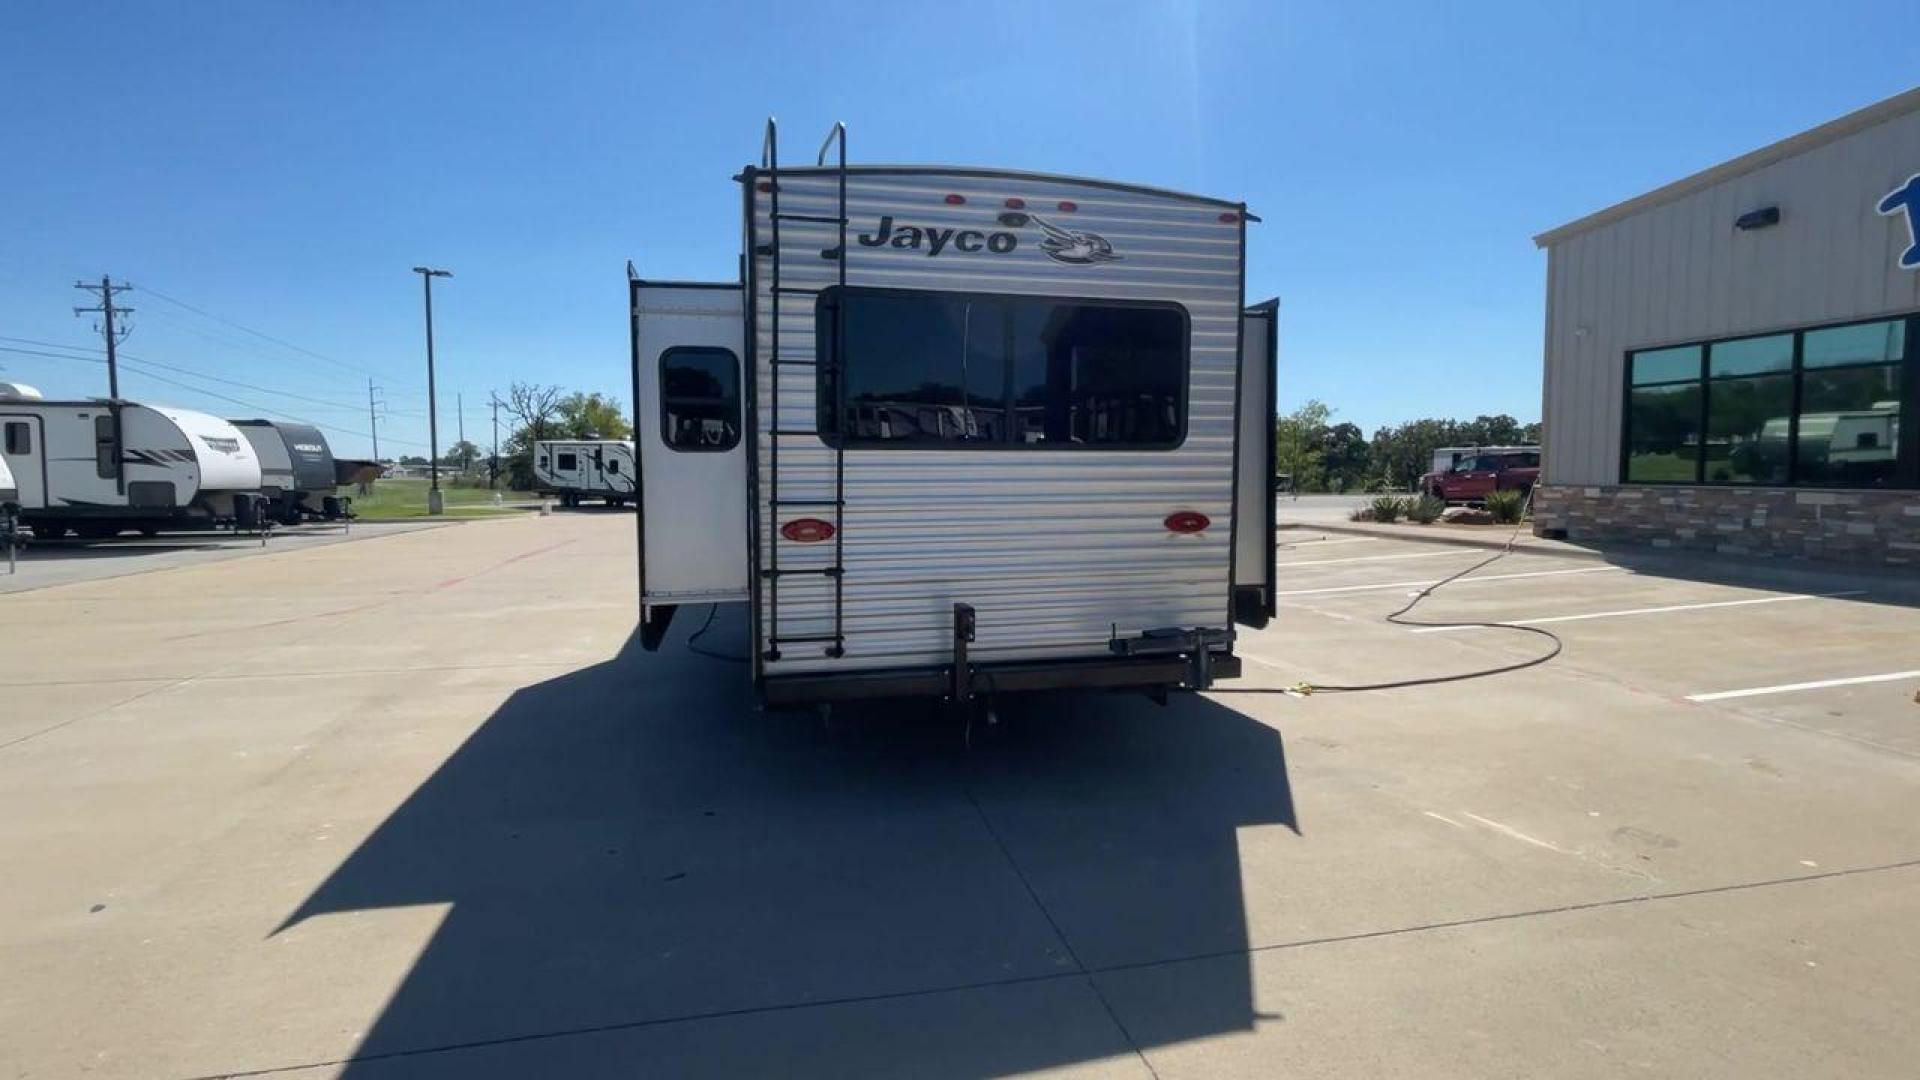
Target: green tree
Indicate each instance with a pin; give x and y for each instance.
(591, 416)
(1297, 440)
(1345, 457)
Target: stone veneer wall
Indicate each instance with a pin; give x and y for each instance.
(1879, 527)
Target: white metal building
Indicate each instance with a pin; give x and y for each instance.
(1733, 360)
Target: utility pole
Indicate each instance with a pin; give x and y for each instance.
(493, 466)
(373, 420)
(107, 311)
(435, 501)
(460, 408)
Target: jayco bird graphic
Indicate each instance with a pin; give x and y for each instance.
(1905, 199)
(1067, 246)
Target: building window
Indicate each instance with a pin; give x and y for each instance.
(19, 437)
(1819, 408)
(699, 399)
(963, 371)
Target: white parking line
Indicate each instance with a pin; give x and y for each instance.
(1322, 541)
(1436, 581)
(1384, 558)
(1788, 688)
(1544, 619)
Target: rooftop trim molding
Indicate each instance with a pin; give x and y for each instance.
(1832, 131)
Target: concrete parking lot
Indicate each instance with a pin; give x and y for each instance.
(38, 564)
(432, 812)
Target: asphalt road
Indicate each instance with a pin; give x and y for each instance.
(431, 811)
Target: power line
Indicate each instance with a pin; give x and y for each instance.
(140, 368)
(196, 374)
(262, 335)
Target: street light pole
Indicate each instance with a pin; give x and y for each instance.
(435, 501)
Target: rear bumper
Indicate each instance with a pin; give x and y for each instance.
(1101, 673)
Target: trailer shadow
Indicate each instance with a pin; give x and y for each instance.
(644, 875)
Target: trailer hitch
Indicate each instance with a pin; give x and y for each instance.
(1196, 644)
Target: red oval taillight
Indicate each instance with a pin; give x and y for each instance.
(956, 200)
(1067, 206)
(1016, 203)
(764, 185)
(1229, 217)
(807, 530)
(1187, 521)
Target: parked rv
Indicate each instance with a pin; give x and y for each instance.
(101, 467)
(297, 475)
(577, 469)
(960, 432)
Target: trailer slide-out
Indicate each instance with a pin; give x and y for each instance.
(959, 432)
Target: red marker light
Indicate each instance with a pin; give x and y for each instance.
(956, 200)
(1067, 206)
(765, 185)
(807, 530)
(1016, 204)
(1229, 217)
(1187, 522)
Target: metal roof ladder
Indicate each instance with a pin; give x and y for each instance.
(770, 165)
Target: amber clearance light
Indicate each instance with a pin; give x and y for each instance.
(1187, 521)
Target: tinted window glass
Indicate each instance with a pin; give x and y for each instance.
(1747, 423)
(105, 449)
(566, 462)
(1663, 434)
(1869, 343)
(1666, 365)
(19, 438)
(699, 399)
(1850, 425)
(964, 371)
(1751, 356)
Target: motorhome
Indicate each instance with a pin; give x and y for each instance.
(960, 432)
(576, 469)
(297, 475)
(100, 467)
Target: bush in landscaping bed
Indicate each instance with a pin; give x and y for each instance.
(1387, 509)
(1361, 513)
(1507, 506)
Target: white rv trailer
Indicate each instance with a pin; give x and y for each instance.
(99, 467)
(576, 469)
(961, 431)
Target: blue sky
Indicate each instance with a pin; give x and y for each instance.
(280, 166)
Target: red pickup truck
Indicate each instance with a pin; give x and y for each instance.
(1474, 478)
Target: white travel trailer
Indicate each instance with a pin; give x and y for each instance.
(576, 469)
(960, 432)
(100, 467)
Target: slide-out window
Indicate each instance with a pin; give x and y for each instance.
(19, 437)
(699, 399)
(965, 371)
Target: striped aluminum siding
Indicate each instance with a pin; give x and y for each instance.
(1052, 548)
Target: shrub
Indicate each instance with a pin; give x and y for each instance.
(1387, 509)
(1361, 513)
(1507, 507)
(1426, 509)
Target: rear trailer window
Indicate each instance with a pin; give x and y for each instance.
(961, 371)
